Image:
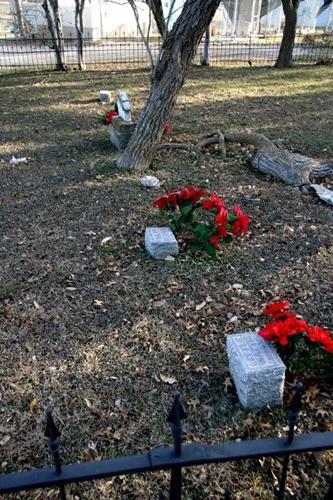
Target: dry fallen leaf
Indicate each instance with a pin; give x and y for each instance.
(92, 447)
(193, 402)
(167, 380)
(98, 303)
(200, 306)
(5, 440)
(226, 384)
(117, 436)
(32, 406)
(93, 408)
(117, 403)
(105, 240)
(201, 369)
(322, 413)
(311, 394)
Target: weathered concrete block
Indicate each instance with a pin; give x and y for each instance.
(120, 132)
(104, 96)
(257, 370)
(160, 242)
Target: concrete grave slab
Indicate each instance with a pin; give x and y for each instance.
(160, 242)
(256, 369)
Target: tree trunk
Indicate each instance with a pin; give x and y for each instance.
(20, 17)
(55, 28)
(79, 6)
(205, 59)
(177, 53)
(284, 59)
(58, 28)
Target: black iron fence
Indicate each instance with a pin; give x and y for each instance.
(173, 459)
(35, 53)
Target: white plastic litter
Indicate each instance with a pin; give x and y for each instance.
(106, 240)
(15, 161)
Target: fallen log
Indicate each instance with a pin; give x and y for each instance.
(291, 168)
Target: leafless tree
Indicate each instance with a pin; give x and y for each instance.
(79, 6)
(52, 13)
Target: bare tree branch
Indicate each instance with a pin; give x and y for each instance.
(157, 9)
(144, 38)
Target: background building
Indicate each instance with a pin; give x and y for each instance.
(104, 18)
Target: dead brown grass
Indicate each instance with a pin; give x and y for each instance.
(99, 363)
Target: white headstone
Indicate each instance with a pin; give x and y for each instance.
(257, 370)
(104, 96)
(124, 106)
(160, 242)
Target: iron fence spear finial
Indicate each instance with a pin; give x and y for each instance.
(294, 409)
(51, 431)
(53, 434)
(176, 415)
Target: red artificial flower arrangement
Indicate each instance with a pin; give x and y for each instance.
(182, 206)
(286, 330)
(109, 116)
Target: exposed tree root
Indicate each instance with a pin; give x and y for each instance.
(291, 168)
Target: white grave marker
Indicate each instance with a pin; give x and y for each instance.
(124, 106)
(160, 242)
(257, 370)
(104, 96)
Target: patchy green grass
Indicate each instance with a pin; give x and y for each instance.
(90, 329)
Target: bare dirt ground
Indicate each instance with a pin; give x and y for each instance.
(92, 330)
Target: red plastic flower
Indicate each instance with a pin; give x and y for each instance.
(161, 202)
(167, 128)
(164, 201)
(287, 324)
(329, 346)
(240, 226)
(214, 202)
(316, 334)
(221, 220)
(277, 310)
(280, 330)
(191, 194)
(221, 217)
(208, 205)
(273, 333)
(215, 241)
(109, 116)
